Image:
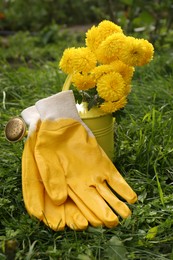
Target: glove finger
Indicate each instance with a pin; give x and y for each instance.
(97, 205)
(89, 215)
(52, 176)
(32, 186)
(119, 206)
(54, 216)
(73, 216)
(121, 187)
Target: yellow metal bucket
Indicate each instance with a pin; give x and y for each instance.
(102, 126)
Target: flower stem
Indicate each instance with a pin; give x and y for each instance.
(67, 83)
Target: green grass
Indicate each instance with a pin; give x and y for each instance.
(144, 156)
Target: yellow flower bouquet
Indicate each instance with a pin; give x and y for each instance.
(102, 70)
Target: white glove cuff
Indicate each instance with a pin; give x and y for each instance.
(61, 105)
(31, 117)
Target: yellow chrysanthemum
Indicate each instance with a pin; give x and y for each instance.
(110, 107)
(101, 70)
(83, 81)
(125, 70)
(148, 51)
(137, 52)
(85, 60)
(93, 38)
(116, 66)
(67, 59)
(107, 28)
(77, 60)
(111, 86)
(108, 50)
(96, 35)
(127, 90)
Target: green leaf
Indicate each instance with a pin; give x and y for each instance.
(115, 249)
(152, 232)
(142, 196)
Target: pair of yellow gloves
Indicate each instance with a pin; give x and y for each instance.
(67, 179)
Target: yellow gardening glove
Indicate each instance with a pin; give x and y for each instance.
(65, 146)
(36, 199)
(32, 186)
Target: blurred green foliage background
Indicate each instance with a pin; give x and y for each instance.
(143, 17)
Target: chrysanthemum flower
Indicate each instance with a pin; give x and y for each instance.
(116, 66)
(111, 86)
(125, 70)
(67, 59)
(110, 107)
(77, 60)
(108, 50)
(107, 28)
(101, 70)
(96, 35)
(83, 81)
(93, 38)
(138, 52)
(128, 89)
(148, 51)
